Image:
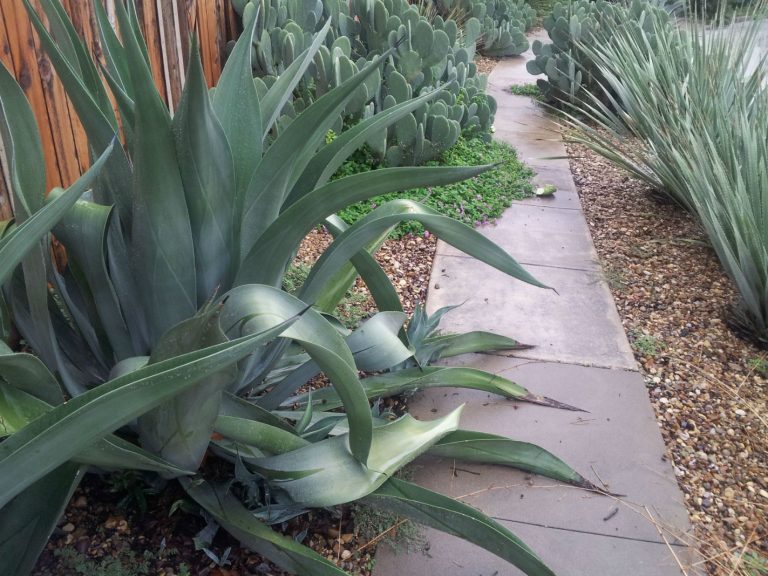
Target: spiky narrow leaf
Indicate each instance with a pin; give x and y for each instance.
(455, 233)
(280, 92)
(413, 379)
(448, 515)
(483, 448)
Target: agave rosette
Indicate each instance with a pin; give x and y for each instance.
(167, 331)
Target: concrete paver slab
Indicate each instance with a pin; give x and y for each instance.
(581, 357)
(616, 442)
(542, 235)
(579, 324)
(566, 553)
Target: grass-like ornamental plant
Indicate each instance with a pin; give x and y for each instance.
(690, 116)
(166, 336)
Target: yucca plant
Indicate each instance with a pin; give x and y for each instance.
(690, 117)
(168, 335)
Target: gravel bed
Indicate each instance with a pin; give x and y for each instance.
(704, 381)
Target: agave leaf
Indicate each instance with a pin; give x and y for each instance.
(23, 148)
(473, 342)
(331, 156)
(326, 473)
(18, 408)
(113, 51)
(262, 436)
(163, 251)
(374, 345)
(267, 260)
(483, 448)
(384, 294)
(232, 405)
(21, 239)
(250, 307)
(291, 152)
(412, 379)
(26, 522)
(113, 183)
(237, 107)
(83, 231)
(179, 430)
(73, 49)
(219, 502)
(278, 94)
(58, 435)
(448, 515)
(27, 373)
(112, 452)
(208, 173)
(455, 233)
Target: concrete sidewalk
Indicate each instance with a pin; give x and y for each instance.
(581, 357)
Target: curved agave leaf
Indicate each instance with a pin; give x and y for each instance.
(326, 473)
(266, 262)
(363, 263)
(262, 436)
(331, 156)
(27, 373)
(250, 307)
(291, 152)
(412, 379)
(58, 435)
(26, 522)
(374, 345)
(492, 449)
(219, 502)
(448, 515)
(455, 233)
(84, 233)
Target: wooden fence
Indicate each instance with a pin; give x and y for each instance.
(167, 25)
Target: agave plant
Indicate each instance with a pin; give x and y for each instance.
(169, 337)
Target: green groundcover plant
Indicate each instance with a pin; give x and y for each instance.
(166, 337)
(687, 111)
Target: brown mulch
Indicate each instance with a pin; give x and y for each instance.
(407, 261)
(485, 64)
(98, 527)
(708, 395)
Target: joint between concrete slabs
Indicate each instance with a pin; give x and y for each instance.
(675, 543)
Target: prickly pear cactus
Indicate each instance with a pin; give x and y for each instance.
(425, 56)
(571, 25)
